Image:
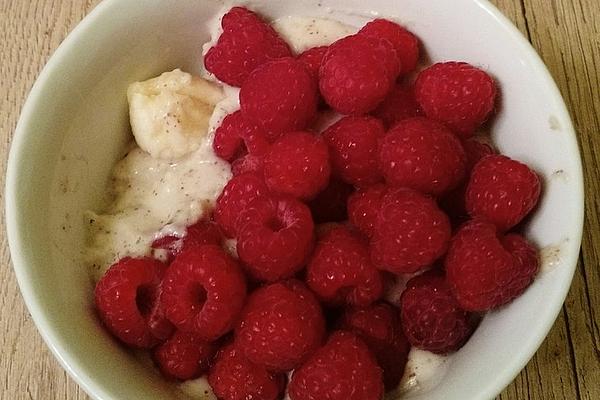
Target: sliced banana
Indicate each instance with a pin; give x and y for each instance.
(169, 114)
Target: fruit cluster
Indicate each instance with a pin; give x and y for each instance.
(398, 186)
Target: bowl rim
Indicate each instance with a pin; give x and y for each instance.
(15, 238)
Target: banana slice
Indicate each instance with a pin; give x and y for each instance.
(169, 114)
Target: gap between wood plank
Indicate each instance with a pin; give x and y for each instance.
(589, 303)
(524, 12)
(571, 349)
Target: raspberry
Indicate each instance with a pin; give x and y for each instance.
(363, 207)
(410, 233)
(340, 270)
(158, 323)
(343, 369)
(312, 59)
(400, 104)
(431, 317)
(454, 201)
(201, 233)
(281, 326)
(248, 164)
(356, 74)
(405, 43)
(234, 377)
(236, 195)
(486, 269)
(203, 291)
(235, 137)
(236, 17)
(298, 164)
(330, 204)
(280, 96)
(502, 191)
(379, 327)
(456, 94)
(125, 298)
(171, 244)
(275, 236)
(246, 43)
(388, 57)
(184, 356)
(423, 155)
(353, 145)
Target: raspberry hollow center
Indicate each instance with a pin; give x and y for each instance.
(196, 297)
(145, 297)
(275, 224)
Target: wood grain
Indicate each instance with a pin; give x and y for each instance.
(566, 33)
(31, 31)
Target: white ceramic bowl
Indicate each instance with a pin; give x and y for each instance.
(74, 126)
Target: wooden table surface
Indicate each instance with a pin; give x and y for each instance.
(567, 35)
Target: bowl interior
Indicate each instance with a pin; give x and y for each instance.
(75, 127)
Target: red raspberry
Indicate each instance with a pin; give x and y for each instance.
(275, 236)
(400, 104)
(235, 137)
(330, 204)
(343, 369)
(239, 191)
(203, 291)
(410, 233)
(431, 318)
(234, 377)
(502, 191)
(251, 160)
(357, 73)
(126, 297)
(280, 96)
(363, 207)
(201, 233)
(405, 43)
(379, 327)
(423, 155)
(298, 164)
(388, 57)
(237, 17)
(248, 164)
(454, 201)
(340, 270)
(246, 43)
(158, 323)
(281, 326)
(486, 269)
(456, 94)
(353, 144)
(171, 244)
(312, 59)
(184, 356)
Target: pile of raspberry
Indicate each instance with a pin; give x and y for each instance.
(399, 189)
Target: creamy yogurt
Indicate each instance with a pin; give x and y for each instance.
(424, 370)
(153, 198)
(303, 33)
(198, 389)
